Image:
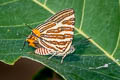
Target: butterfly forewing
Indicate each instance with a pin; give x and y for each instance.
(61, 15)
(57, 32)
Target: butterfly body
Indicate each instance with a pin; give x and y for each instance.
(55, 36)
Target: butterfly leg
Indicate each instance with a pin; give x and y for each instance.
(52, 55)
(63, 58)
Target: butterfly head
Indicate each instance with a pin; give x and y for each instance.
(31, 39)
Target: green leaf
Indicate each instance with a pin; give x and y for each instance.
(96, 59)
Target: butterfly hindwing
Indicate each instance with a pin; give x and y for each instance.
(43, 51)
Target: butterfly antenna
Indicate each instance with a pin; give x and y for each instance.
(28, 26)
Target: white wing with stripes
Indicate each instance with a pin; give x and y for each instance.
(57, 33)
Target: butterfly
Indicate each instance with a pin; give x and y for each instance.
(54, 37)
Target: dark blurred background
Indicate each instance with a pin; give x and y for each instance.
(26, 69)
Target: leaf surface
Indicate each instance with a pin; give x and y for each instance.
(96, 59)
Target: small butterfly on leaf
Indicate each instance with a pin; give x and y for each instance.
(55, 36)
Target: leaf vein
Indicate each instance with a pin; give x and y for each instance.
(44, 6)
(45, 2)
(117, 44)
(8, 2)
(83, 10)
(19, 25)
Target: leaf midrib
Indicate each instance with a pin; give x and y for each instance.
(20, 25)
